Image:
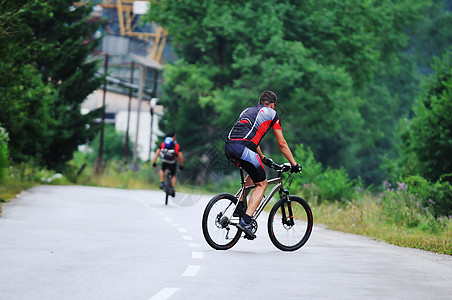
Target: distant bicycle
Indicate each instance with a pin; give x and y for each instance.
(168, 189)
(289, 223)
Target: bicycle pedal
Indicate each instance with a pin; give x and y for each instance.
(248, 237)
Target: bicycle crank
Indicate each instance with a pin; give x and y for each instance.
(254, 229)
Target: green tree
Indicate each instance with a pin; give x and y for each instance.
(234, 54)
(368, 39)
(328, 61)
(429, 134)
(24, 98)
(431, 38)
(46, 78)
(428, 38)
(113, 149)
(69, 30)
(4, 154)
(184, 114)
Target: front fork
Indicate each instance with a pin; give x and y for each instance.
(286, 209)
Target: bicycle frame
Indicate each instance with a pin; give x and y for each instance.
(289, 221)
(277, 181)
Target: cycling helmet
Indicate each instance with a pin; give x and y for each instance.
(169, 143)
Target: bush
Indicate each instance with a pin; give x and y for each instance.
(323, 185)
(441, 199)
(437, 197)
(416, 203)
(3, 154)
(336, 185)
(113, 146)
(402, 207)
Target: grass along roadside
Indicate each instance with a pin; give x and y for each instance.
(367, 218)
(19, 180)
(9, 190)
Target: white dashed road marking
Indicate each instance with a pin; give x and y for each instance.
(191, 271)
(193, 245)
(197, 255)
(164, 294)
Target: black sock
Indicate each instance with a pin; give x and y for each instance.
(246, 219)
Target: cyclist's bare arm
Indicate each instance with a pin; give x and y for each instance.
(259, 151)
(181, 158)
(157, 153)
(285, 150)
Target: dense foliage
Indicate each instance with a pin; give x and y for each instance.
(4, 156)
(113, 148)
(428, 138)
(344, 71)
(347, 74)
(44, 78)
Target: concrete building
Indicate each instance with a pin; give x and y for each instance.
(117, 114)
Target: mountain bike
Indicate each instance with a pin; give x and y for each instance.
(289, 222)
(168, 188)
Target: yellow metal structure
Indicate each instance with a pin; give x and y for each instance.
(126, 18)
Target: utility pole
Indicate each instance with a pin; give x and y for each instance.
(152, 104)
(140, 99)
(100, 159)
(126, 144)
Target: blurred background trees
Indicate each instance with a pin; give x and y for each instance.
(348, 74)
(44, 78)
(345, 72)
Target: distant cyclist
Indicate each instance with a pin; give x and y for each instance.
(169, 153)
(242, 148)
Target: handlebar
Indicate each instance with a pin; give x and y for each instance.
(285, 167)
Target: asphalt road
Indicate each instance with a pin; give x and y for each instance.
(72, 242)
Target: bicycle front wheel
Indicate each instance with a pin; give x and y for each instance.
(290, 223)
(218, 223)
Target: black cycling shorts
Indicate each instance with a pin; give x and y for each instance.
(247, 159)
(171, 167)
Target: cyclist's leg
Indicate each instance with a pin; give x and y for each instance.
(252, 164)
(172, 168)
(248, 182)
(162, 177)
(256, 197)
(234, 152)
(245, 158)
(172, 172)
(162, 173)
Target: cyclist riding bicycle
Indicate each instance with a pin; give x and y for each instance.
(242, 148)
(169, 153)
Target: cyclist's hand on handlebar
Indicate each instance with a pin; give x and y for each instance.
(296, 169)
(268, 162)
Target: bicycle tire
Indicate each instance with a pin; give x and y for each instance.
(167, 186)
(219, 233)
(285, 236)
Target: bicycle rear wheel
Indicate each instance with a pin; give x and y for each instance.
(218, 222)
(167, 185)
(290, 223)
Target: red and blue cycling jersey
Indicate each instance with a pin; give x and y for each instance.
(252, 125)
